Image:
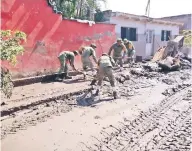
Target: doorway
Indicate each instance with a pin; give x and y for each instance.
(150, 36)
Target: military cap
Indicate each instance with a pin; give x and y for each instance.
(104, 54)
(76, 52)
(119, 40)
(93, 45)
(125, 40)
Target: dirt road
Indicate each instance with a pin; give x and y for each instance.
(152, 114)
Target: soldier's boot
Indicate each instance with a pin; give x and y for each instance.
(115, 94)
(97, 91)
(93, 82)
(58, 78)
(66, 76)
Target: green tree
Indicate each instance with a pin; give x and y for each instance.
(82, 9)
(67, 7)
(187, 37)
(10, 47)
(98, 16)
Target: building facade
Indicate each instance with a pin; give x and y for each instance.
(147, 34)
(185, 19)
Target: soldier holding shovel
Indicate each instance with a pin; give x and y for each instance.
(66, 57)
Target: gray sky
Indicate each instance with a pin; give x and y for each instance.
(159, 8)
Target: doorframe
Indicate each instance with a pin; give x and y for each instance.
(152, 41)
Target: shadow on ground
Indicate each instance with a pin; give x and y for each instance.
(92, 101)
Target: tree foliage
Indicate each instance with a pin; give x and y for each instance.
(187, 37)
(98, 15)
(10, 47)
(81, 9)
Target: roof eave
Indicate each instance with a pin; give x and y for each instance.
(143, 18)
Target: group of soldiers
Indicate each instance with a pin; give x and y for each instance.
(122, 50)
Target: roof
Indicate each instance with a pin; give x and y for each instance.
(144, 18)
(175, 16)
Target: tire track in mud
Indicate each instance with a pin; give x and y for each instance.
(164, 127)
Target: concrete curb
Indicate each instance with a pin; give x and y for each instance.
(36, 79)
(42, 78)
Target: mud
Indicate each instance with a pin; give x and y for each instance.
(177, 88)
(165, 126)
(11, 111)
(21, 117)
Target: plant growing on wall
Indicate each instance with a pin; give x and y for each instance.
(10, 47)
(187, 37)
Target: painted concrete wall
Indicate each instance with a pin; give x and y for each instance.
(140, 45)
(48, 35)
(158, 28)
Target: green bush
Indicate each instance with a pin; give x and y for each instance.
(10, 47)
(187, 39)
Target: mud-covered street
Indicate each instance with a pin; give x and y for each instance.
(153, 113)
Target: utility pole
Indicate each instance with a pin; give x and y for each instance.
(147, 10)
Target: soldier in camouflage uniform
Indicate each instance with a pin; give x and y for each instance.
(118, 48)
(130, 50)
(105, 64)
(66, 57)
(85, 53)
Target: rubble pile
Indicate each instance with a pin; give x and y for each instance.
(185, 64)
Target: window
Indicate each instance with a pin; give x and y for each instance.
(165, 35)
(129, 33)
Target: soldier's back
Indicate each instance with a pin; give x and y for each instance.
(105, 61)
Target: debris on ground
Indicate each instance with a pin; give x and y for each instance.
(131, 82)
(171, 91)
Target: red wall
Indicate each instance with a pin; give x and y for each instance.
(40, 23)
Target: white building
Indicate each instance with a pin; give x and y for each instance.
(147, 34)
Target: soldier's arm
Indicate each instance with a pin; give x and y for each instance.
(72, 63)
(132, 46)
(112, 61)
(110, 50)
(98, 62)
(124, 50)
(94, 56)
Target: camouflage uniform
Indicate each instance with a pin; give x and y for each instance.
(130, 50)
(85, 57)
(117, 53)
(105, 65)
(65, 57)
